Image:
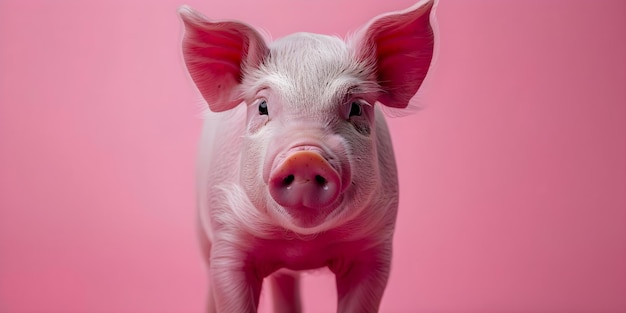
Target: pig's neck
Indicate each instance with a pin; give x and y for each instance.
(325, 250)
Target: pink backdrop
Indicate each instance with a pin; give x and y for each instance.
(513, 178)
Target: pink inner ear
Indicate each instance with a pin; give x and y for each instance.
(403, 45)
(215, 54)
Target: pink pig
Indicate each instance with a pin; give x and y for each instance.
(296, 168)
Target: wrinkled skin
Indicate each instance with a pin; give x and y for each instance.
(296, 168)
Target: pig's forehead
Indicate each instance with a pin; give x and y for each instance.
(305, 65)
(312, 47)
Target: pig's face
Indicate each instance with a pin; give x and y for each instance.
(309, 158)
(310, 99)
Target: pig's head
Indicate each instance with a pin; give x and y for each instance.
(309, 154)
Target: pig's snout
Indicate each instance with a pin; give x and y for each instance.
(304, 180)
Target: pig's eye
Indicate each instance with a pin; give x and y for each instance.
(263, 108)
(355, 109)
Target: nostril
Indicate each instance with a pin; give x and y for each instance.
(320, 180)
(288, 180)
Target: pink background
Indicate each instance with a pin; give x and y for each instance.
(513, 178)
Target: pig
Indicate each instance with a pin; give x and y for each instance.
(296, 169)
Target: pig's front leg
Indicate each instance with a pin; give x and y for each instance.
(236, 286)
(361, 281)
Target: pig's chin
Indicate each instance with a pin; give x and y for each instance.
(307, 221)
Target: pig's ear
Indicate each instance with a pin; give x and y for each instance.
(400, 47)
(217, 54)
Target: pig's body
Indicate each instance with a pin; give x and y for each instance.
(296, 168)
(267, 247)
